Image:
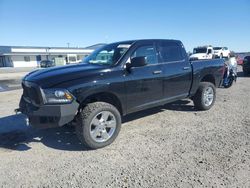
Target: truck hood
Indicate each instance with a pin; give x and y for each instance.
(199, 55)
(53, 76)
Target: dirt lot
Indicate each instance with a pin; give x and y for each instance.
(170, 146)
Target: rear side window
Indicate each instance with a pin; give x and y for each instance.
(148, 52)
(170, 51)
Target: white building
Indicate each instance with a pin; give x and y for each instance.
(19, 56)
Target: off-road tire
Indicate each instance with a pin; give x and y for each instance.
(84, 118)
(198, 97)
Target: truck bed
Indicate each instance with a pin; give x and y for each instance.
(213, 69)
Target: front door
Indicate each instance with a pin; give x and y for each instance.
(144, 85)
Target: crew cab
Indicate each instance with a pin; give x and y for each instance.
(116, 80)
(221, 52)
(202, 52)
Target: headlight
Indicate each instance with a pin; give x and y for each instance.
(54, 96)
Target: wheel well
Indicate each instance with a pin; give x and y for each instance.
(103, 97)
(208, 78)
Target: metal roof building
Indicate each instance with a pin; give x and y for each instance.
(29, 56)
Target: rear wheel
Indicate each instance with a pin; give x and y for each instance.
(98, 124)
(205, 96)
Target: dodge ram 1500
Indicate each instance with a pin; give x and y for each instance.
(115, 80)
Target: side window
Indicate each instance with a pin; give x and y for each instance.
(170, 51)
(27, 58)
(148, 52)
(209, 51)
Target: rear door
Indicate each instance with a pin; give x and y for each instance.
(177, 70)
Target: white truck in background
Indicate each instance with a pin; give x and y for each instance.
(221, 52)
(202, 52)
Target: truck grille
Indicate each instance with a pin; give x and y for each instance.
(31, 93)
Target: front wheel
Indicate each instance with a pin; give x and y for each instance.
(98, 124)
(205, 96)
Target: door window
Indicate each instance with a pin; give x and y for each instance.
(148, 52)
(170, 51)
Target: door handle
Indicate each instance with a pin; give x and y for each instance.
(157, 72)
(186, 68)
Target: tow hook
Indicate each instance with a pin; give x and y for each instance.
(27, 121)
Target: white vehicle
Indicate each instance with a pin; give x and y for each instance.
(203, 52)
(222, 52)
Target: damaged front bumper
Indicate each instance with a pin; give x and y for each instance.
(48, 116)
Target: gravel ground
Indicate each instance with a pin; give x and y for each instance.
(169, 146)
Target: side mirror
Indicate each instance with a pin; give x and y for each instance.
(138, 62)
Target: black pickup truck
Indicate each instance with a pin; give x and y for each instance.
(115, 80)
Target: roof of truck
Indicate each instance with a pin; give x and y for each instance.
(146, 40)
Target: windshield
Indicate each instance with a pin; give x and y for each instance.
(200, 50)
(217, 48)
(109, 54)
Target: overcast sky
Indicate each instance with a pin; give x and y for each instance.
(83, 23)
